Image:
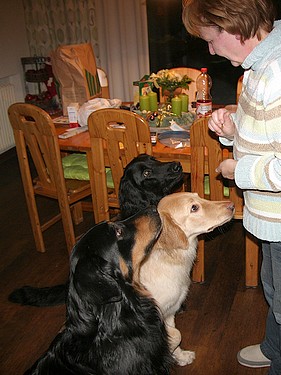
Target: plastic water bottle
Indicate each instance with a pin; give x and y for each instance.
(203, 96)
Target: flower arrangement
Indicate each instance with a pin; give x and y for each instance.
(170, 81)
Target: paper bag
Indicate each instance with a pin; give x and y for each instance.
(74, 67)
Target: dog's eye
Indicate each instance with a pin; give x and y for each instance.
(194, 208)
(146, 173)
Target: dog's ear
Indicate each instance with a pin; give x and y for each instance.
(172, 236)
(130, 193)
(95, 282)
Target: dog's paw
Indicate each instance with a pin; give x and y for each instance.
(183, 357)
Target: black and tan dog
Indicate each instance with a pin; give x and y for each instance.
(113, 326)
(145, 182)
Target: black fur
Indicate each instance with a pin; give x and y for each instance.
(43, 297)
(145, 182)
(113, 327)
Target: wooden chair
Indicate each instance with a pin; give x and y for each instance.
(206, 154)
(104, 83)
(35, 136)
(193, 74)
(117, 136)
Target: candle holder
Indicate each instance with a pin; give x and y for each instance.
(168, 94)
(158, 118)
(170, 82)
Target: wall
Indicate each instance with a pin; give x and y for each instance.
(13, 45)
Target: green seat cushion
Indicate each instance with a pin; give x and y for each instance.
(75, 167)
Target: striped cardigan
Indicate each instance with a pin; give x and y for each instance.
(257, 139)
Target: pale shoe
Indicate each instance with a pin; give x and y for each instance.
(252, 356)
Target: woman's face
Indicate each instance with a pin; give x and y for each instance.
(224, 44)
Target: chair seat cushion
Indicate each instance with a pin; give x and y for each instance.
(75, 167)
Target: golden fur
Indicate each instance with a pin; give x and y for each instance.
(166, 272)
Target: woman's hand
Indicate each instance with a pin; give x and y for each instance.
(221, 123)
(227, 168)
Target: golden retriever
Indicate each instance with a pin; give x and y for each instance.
(166, 272)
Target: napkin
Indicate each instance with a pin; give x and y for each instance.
(175, 127)
(93, 105)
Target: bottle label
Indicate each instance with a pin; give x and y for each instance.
(203, 108)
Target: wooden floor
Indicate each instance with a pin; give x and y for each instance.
(219, 317)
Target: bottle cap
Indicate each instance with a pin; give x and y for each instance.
(204, 70)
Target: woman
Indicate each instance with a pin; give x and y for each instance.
(245, 33)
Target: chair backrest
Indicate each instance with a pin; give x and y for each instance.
(206, 154)
(34, 128)
(104, 83)
(36, 138)
(117, 136)
(193, 74)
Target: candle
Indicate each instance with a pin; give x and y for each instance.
(176, 106)
(184, 102)
(153, 101)
(144, 103)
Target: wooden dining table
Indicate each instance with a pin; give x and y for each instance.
(81, 143)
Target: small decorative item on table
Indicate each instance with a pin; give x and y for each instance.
(170, 82)
(184, 102)
(176, 106)
(153, 101)
(142, 87)
(144, 103)
(176, 103)
(184, 121)
(162, 119)
(72, 111)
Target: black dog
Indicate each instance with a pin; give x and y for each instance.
(145, 182)
(113, 327)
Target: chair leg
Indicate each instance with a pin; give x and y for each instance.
(198, 274)
(35, 223)
(252, 260)
(77, 213)
(98, 187)
(69, 232)
(67, 221)
(30, 198)
(33, 214)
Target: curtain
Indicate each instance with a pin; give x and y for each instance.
(50, 23)
(117, 30)
(123, 43)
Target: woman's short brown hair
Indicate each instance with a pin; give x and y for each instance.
(238, 17)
